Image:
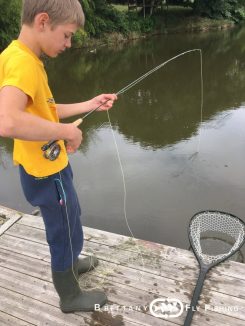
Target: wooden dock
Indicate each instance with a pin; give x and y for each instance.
(132, 272)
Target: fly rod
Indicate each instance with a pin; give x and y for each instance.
(52, 149)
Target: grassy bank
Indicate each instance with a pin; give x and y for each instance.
(107, 23)
(182, 19)
(175, 19)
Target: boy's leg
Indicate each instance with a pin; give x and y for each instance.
(58, 202)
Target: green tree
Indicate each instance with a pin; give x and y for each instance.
(9, 21)
(228, 9)
(102, 17)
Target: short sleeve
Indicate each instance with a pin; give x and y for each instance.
(21, 72)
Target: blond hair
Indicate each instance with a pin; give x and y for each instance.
(59, 11)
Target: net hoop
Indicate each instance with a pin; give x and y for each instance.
(215, 221)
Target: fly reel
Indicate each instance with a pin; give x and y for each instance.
(51, 150)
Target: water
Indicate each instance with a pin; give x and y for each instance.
(169, 175)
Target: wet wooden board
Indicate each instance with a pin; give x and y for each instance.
(12, 217)
(132, 272)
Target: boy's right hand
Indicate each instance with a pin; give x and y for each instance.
(74, 139)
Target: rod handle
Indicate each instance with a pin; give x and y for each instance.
(78, 122)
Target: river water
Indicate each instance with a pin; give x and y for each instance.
(175, 163)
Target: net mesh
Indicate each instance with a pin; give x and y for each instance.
(216, 222)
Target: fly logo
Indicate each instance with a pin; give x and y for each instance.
(51, 100)
(166, 308)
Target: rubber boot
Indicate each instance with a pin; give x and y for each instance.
(87, 264)
(72, 298)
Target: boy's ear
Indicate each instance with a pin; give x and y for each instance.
(41, 20)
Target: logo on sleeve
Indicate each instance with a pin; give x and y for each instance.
(51, 100)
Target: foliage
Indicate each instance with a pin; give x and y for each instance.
(9, 21)
(228, 9)
(79, 38)
(102, 17)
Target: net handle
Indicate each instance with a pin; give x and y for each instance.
(196, 295)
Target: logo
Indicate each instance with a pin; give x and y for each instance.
(51, 100)
(166, 308)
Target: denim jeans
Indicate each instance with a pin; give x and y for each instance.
(57, 199)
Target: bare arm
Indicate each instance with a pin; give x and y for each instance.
(16, 123)
(69, 110)
(105, 101)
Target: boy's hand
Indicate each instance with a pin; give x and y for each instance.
(74, 139)
(108, 99)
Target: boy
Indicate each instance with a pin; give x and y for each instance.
(28, 114)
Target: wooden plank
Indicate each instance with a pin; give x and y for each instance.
(8, 224)
(168, 270)
(43, 292)
(207, 317)
(125, 275)
(32, 221)
(8, 211)
(11, 215)
(209, 297)
(25, 264)
(36, 312)
(110, 271)
(125, 278)
(163, 252)
(117, 277)
(166, 253)
(151, 265)
(116, 254)
(212, 299)
(123, 295)
(9, 320)
(29, 286)
(27, 233)
(24, 247)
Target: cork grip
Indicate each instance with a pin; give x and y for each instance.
(78, 122)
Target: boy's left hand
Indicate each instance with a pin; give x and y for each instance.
(108, 99)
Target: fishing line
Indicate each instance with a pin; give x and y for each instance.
(122, 91)
(136, 81)
(202, 101)
(126, 88)
(68, 222)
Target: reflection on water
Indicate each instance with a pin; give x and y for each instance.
(174, 166)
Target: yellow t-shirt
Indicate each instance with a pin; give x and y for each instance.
(21, 68)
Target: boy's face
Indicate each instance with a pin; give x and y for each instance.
(57, 39)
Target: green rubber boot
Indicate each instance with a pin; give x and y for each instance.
(87, 264)
(72, 298)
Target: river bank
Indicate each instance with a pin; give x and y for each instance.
(115, 24)
(131, 25)
(172, 25)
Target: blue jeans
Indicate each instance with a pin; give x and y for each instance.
(56, 197)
